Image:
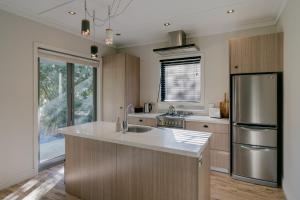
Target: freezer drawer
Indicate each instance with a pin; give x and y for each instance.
(258, 136)
(255, 99)
(255, 162)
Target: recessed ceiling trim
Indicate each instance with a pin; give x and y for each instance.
(270, 22)
(158, 38)
(45, 22)
(72, 13)
(167, 24)
(230, 11)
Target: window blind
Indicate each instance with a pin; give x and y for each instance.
(181, 79)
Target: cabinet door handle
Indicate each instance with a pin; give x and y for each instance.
(200, 161)
(205, 126)
(140, 120)
(236, 67)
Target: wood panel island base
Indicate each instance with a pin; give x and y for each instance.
(161, 164)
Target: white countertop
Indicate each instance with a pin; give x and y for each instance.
(175, 141)
(196, 118)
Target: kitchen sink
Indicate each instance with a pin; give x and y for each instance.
(139, 129)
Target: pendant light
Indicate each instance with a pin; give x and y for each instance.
(85, 24)
(109, 32)
(94, 48)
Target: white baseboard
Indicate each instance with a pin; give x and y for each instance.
(12, 179)
(217, 169)
(288, 195)
(285, 191)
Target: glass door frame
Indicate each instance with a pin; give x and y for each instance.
(71, 92)
(70, 106)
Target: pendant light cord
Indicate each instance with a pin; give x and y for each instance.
(108, 16)
(85, 9)
(115, 9)
(94, 15)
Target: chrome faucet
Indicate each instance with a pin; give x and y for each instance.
(172, 110)
(125, 122)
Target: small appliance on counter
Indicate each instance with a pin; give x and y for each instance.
(147, 107)
(214, 113)
(138, 109)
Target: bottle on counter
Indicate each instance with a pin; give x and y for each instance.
(118, 122)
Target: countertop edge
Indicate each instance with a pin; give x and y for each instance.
(210, 120)
(143, 146)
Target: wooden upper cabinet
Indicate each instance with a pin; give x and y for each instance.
(132, 80)
(256, 54)
(120, 84)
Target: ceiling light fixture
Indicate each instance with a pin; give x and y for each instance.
(72, 13)
(85, 24)
(109, 32)
(94, 48)
(167, 24)
(230, 11)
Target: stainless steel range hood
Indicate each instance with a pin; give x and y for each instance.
(178, 45)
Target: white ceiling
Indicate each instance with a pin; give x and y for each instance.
(142, 22)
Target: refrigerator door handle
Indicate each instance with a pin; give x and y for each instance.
(255, 136)
(267, 130)
(235, 88)
(253, 128)
(256, 148)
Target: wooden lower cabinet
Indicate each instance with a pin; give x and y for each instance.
(108, 171)
(83, 176)
(219, 143)
(220, 160)
(142, 121)
(207, 127)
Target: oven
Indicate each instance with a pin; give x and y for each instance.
(171, 121)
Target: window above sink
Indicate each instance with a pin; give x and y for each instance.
(182, 83)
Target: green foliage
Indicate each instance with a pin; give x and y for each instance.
(53, 102)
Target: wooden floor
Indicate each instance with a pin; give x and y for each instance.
(223, 187)
(49, 184)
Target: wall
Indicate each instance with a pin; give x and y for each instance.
(216, 62)
(290, 25)
(17, 36)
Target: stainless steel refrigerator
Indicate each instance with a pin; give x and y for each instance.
(256, 128)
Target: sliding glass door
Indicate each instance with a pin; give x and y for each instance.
(85, 83)
(67, 96)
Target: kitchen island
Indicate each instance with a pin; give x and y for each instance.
(160, 164)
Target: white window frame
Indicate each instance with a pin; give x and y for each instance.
(181, 105)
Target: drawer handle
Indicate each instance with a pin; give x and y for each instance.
(140, 120)
(236, 67)
(205, 126)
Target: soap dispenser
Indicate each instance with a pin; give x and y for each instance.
(118, 121)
